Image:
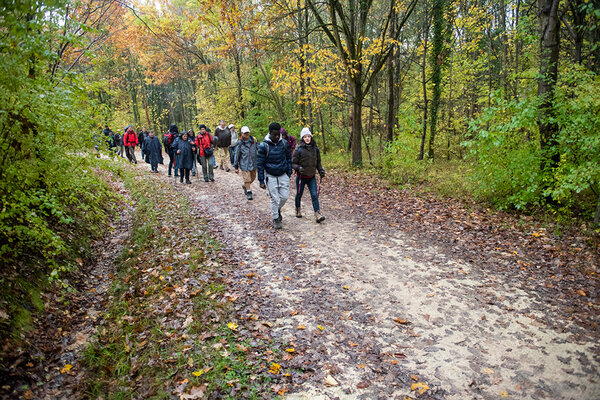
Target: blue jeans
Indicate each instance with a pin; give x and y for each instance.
(312, 188)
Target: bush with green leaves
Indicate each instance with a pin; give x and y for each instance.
(52, 202)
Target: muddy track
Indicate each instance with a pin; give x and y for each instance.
(372, 310)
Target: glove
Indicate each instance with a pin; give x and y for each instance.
(322, 173)
(263, 186)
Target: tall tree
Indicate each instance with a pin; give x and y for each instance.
(549, 53)
(347, 26)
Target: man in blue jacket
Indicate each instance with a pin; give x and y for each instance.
(274, 166)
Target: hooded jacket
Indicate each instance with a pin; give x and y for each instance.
(130, 139)
(245, 154)
(307, 157)
(274, 158)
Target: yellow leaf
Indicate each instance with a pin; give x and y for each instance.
(420, 386)
(291, 350)
(320, 327)
(346, 287)
(504, 393)
(488, 371)
(66, 368)
(401, 321)
(301, 327)
(233, 326)
(275, 368)
(581, 293)
(198, 373)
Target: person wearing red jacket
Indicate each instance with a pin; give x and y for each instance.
(130, 140)
(205, 153)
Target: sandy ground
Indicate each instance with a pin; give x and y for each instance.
(384, 311)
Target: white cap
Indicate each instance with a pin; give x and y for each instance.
(245, 129)
(231, 126)
(304, 132)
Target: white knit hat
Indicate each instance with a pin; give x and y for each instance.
(231, 126)
(245, 129)
(304, 132)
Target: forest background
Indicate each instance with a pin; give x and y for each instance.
(492, 100)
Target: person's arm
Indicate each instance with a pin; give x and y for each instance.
(288, 159)
(296, 161)
(260, 165)
(237, 152)
(319, 166)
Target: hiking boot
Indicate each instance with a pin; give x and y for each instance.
(319, 217)
(205, 179)
(188, 181)
(279, 216)
(298, 213)
(181, 180)
(245, 190)
(249, 195)
(220, 167)
(227, 170)
(276, 223)
(212, 179)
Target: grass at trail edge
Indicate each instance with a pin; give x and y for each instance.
(170, 327)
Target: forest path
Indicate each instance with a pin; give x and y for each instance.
(371, 311)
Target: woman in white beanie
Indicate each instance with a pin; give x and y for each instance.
(306, 161)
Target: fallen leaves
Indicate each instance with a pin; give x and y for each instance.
(66, 369)
(330, 381)
(401, 321)
(420, 387)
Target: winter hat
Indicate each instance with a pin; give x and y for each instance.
(245, 129)
(283, 131)
(304, 132)
(231, 126)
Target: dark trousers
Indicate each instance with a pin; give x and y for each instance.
(154, 165)
(184, 172)
(130, 152)
(172, 161)
(312, 188)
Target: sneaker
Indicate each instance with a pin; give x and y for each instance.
(276, 224)
(298, 213)
(318, 217)
(212, 179)
(188, 182)
(181, 180)
(249, 195)
(205, 179)
(227, 170)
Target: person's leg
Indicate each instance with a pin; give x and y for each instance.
(187, 175)
(211, 162)
(203, 165)
(283, 186)
(314, 195)
(299, 191)
(274, 193)
(180, 175)
(231, 156)
(226, 163)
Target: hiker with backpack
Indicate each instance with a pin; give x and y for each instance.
(245, 158)
(184, 149)
(274, 167)
(234, 139)
(306, 161)
(192, 137)
(168, 140)
(223, 140)
(130, 140)
(204, 144)
(153, 150)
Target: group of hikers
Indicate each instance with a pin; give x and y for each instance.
(271, 161)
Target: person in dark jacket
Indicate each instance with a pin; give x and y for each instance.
(290, 139)
(130, 140)
(274, 167)
(306, 161)
(153, 150)
(184, 148)
(204, 144)
(223, 140)
(192, 137)
(245, 158)
(168, 141)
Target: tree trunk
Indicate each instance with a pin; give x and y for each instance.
(424, 84)
(436, 76)
(391, 108)
(323, 147)
(549, 44)
(357, 99)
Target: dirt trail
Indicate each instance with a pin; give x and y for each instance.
(384, 311)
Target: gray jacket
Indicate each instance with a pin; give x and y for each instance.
(245, 153)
